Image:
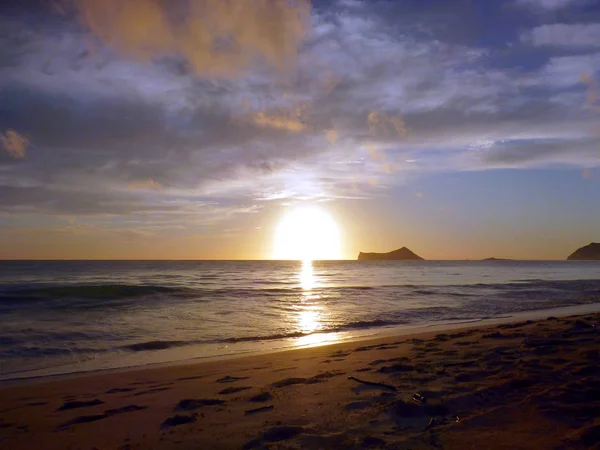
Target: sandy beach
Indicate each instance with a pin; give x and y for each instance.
(525, 385)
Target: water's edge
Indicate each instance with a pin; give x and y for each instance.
(34, 377)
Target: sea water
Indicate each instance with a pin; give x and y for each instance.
(69, 316)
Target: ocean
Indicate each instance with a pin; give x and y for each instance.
(60, 317)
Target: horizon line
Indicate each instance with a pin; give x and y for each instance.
(276, 260)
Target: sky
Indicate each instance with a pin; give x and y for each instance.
(187, 129)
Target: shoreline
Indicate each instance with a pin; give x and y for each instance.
(339, 338)
(529, 384)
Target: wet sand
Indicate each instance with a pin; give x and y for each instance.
(526, 385)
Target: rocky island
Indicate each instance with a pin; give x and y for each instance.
(589, 252)
(402, 254)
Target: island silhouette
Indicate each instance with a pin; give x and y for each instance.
(402, 254)
(590, 252)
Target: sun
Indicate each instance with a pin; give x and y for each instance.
(308, 233)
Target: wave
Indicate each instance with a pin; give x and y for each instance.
(370, 324)
(99, 295)
(410, 316)
(43, 352)
(107, 292)
(91, 291)
(361, 324)
(156, 345)
(163, 345)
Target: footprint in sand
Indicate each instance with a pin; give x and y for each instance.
(275, 434)
(319, 378)
(124, 409)
(82, 419)
(249, 412)
(228, 379)
(190, 378)
(357, 406)
(192, 404)
(160, 385)
(178, 420)
(396, 368)
(96, 417)
(75, 404)
(262, 397)
(382, 361)
(233, 390)
(289, 382)
(117, 390)
(37, 404)
(284, 369)
(340, 354)
(151, 391)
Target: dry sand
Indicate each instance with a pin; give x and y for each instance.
(528, 385)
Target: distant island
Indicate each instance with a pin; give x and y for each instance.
(497, 259)
(402, 254)
(590, 252)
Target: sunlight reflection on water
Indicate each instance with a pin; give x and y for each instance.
(309, 317)
(307, 278)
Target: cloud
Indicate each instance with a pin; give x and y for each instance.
(289, 122)
(364, 75)
(549, 5)
(380, 124)
(381, 159)
(564, 71)
(214, 37)
(14, 144)
(592, 94)
(332, 135)
(564, 35)
(540, 151)
(148, 184)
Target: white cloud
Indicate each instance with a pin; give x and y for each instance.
(549, 5)
(566, 71)
(564, 35)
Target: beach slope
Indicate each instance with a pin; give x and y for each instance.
(527, 385)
